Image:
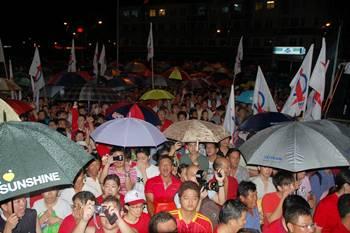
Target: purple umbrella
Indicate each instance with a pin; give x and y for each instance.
(128, 132)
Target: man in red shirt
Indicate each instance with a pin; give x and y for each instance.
(187, 218)
(135, 218)
(272, 202)
(79, 201)
(160, 190)
(344, 212)
(296, 218)
(230, 183)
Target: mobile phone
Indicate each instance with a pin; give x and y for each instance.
(112, 218)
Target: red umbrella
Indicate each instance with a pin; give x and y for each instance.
(19, 106)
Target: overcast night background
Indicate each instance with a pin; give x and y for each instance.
(182, 30)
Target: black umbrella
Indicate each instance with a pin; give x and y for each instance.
(35, 157)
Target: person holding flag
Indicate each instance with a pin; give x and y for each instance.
(296, 102)
(262, 98)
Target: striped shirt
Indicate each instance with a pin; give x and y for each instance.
(199, 223)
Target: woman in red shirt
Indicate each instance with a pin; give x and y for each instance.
(326, 215)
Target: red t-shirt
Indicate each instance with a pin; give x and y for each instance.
(165, 125)
(68, 224)
(326, 214)
(155, 186)
(269, 204)
(275, 227)
(340, 229)
(142, 225)
(232, 187)
(199, 223)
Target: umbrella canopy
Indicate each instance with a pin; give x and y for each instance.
(135, 67)
(298, 146)
(19, 106)
(128, 132)
(195, 131)
(69, 79)
(157, 94)
(245, 97)
(8, 85)
(35, 157)
(90, 93)
(125, 108)
(263, 120)
(7, 113)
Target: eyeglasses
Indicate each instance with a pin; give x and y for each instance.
(306, 226)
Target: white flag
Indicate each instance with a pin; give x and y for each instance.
(36, 75)
(2, 55)
(317, 82)
(262, 99)
(72, 65)
(296, 102)
(230, 115)
(95, 61)
(150, 47)
(239, 57)
(102, 61)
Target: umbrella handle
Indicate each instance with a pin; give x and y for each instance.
(197, 145)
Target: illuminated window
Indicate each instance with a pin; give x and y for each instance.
(270, 4)
(162, 12)
(152, 13)
(259, 6)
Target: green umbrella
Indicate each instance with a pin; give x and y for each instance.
(35, 157)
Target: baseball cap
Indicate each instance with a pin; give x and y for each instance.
(134, 197)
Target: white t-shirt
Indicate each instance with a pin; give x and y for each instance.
(151, 171)
(260, 186)
(61, 208)
(67, 195)
(93, 186)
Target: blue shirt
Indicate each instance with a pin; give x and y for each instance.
(253, 221)
(321, 183)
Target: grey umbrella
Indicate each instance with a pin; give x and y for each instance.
(298, 146)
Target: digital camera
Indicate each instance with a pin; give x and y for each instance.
(201, 179)
(118, 158)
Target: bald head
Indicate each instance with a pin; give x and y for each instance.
(222, 163)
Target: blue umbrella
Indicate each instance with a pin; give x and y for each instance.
(263, 120)
(128, 132)
(245, 97)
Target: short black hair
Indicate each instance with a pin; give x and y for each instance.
(283, 178)
(160, 217)
(293, 207)
(165, 157)
(84, 196)
(146, 151)
(117, 148)
(244, 187)
(231, 150)
(344, 205)
(232, 209)
(215, 144)
(189, 185)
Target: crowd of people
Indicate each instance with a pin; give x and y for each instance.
(180, 187)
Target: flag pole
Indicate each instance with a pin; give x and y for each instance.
(117, 34)
(335, 62)
(7, 77)
(152, 73)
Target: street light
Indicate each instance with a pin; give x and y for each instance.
(100, 22)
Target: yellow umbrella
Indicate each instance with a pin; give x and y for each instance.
(7, 113)
(157, 94)
(175, 74)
